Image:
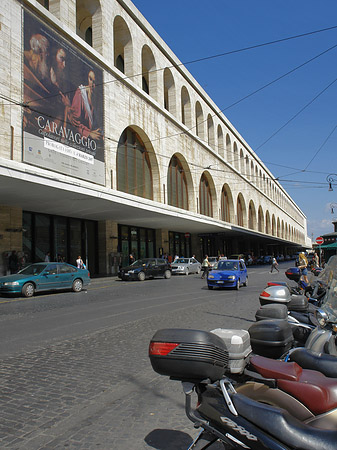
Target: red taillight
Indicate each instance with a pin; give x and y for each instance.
(264, 294)
(161, 348)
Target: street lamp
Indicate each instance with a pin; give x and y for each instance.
(332, 177)
(332, 206)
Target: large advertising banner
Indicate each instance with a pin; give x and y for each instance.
(63, 125)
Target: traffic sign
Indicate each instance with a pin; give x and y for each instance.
(319, 240)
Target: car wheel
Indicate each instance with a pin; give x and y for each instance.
(210, 287)
(246, 282)
(141, 276)
(237, 287)
(28, 290)
(77, 285)
(167, 274)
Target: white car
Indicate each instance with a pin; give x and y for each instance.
(185, 266)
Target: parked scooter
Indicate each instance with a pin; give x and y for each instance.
(268, 404)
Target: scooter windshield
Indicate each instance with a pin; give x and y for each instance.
(328, 277)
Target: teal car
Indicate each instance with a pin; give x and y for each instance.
(228, 273)
(44, 277)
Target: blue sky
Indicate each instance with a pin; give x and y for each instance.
(289, 124)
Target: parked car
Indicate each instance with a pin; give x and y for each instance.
(228, 273)
(212, 260)
(146, 268)
(267, 259)
(44, 277)
(186, 266)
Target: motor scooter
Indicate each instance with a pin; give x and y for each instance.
(264, 405)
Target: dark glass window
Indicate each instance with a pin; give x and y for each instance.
(225, 206)
(120, 63)
(134, 174)
(177, 185)
(206, 207)
(88, 36)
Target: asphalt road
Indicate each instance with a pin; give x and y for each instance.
(74, 369)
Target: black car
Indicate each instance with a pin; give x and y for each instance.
(146, 268)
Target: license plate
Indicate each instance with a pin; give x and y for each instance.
(220, 282)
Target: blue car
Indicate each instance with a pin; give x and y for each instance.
(44, 277)
(228, 273)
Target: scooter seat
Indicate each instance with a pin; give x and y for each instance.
(316, 391)
(322, 362)
(284, 427)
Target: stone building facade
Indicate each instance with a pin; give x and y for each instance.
(110, 146)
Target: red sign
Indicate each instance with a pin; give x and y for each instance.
(319, 240)
(187, 235)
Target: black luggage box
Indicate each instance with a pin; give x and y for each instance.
(271, 338)
(272, 311)
(188, 355)
(298, 303)
(293, 273)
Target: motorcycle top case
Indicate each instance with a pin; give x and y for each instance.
(271, 338)
(298, 303)
(237, 343)
(293, 273)
(272, 311)
(275, 294)
(188, 355)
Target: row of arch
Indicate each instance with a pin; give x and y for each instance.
(138, 174)
(174, 95)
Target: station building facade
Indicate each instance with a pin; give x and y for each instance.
(110, 146)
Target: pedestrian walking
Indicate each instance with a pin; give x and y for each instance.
(274, 264)
(205, 267)
(79, 263)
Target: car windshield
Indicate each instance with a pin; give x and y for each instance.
(140, 262)
(33, 269)
(328, 277)
(181, 261)
(227, 265)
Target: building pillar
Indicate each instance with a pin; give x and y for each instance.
(162, 241)
(107, 247)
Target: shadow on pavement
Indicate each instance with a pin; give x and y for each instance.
(168, 440)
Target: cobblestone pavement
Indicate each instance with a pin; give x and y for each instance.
(100, 392)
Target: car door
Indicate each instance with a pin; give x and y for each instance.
(48, 279)
(152, 269)
(67, 274)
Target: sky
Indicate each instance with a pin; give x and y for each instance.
(290, 122)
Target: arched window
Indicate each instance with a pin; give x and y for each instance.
(229, 149)
(225, 206)
(260, 220)
(239, 210)
(149, 73)
(89, 22)
(177, 185)
(134, 174)
(169, 92)
(251, 216)
(199, 121)
(220, 142)
(186, 107)
(122, 46)
(210, 131)
(205, 197)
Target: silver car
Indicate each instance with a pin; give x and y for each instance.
(185, 266)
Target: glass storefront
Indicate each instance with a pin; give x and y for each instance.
(61, 238)
(179, 244)
(138, 241)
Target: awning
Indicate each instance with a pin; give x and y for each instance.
(327, 246)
